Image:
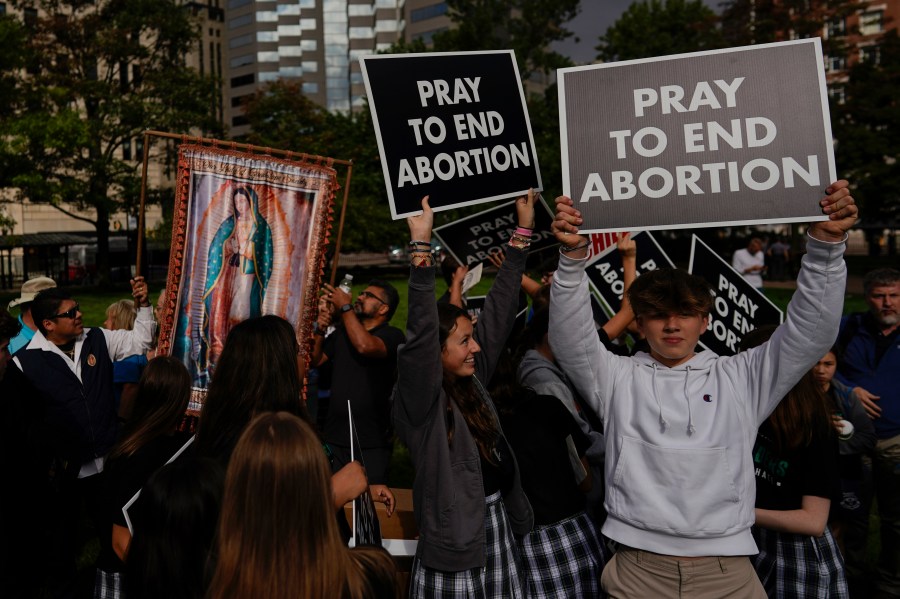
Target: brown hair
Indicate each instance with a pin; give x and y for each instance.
(162, 397)
(670, 291)
(257, 372)
(463, 392)
(278, 537)
(803, 414)
(122, 314)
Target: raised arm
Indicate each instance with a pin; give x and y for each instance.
(616, 325)
(124, 343)
(364, 342)
(499, 314)
(814, 311)
(576, 345)
(419, 370)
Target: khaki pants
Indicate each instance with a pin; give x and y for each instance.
(641, 575)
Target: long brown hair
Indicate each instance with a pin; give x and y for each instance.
(257, 372)
(278, 537)
(465, 393)
(803, 414)
(162, 397)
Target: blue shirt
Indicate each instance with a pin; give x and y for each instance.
(22, 339)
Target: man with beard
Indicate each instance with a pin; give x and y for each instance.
(870, 363)
(362, 354)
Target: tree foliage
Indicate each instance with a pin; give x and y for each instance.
(526, 26)
(867, 127)
(661, 27)
(98, 73)
(282, 117)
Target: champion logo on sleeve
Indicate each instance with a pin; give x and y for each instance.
(707, 398)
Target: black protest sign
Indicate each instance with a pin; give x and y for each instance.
(475, 304)
(452, 126)
(472, 238)
(738, 307)
(722, 137)
(604, 270)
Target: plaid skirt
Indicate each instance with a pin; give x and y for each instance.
(563, 560)
(107, 585)
(500, 576)
(798, 566)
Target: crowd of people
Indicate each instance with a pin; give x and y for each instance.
(551, 459)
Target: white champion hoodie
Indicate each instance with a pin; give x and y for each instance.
(679, 470)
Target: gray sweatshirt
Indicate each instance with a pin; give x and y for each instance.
(679, 470)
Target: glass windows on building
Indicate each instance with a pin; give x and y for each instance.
(428, 12)
(871, 23)
(240, 61)
(241, 40)
(240, 21)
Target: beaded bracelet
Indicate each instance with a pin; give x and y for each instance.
(519, 242)
(418, 259)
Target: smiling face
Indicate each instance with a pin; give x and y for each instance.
(672, 337)
(884, 303)
(458, 354)
(824, 369)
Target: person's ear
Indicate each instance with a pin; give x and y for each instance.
(705, 324)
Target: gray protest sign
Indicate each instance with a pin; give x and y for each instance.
(725, 137)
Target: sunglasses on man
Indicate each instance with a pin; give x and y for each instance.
(70, 313)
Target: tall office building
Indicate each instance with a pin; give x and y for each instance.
(317, 41)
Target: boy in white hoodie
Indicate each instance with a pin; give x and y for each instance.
(680, 425)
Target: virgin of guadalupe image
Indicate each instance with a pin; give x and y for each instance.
(239, 266)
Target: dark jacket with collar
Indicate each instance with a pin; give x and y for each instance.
(448, 493)
(857, 367)
(82, 412)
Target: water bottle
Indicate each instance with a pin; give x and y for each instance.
(346, 284)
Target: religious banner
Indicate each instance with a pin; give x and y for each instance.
(722, 137)
(472, 238)
(248, 239)
(604, 270)
(738, 307)
(453, 126)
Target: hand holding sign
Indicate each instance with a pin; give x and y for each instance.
(525, 210)
(420, 224)
(565, 228)
(842, 213)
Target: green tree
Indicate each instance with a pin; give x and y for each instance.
(659, 28)
(867, 126)
(281, 117)
(528, 27)
(98, 73)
